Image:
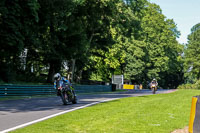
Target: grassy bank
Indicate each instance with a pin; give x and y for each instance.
(160, 113)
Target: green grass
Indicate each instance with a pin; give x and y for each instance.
(160, 113)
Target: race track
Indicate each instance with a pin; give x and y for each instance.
(19, 113)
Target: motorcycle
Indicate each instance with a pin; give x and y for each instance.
(153, 88)
(66, 93)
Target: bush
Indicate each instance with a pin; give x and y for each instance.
(190, 86)
(185, 86)
(197, 84)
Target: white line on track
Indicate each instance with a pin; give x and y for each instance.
(45, 118)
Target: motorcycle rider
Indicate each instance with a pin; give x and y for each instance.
(154, 81)
(58, 77)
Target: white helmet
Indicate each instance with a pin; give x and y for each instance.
(57, 76)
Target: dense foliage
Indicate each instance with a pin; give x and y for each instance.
(192, 55)
(191, 60)
(105, 37)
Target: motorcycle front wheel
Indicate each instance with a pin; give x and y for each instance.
(64, 97)
(153, 90)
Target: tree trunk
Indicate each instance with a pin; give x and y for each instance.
(54, 68)
(51, 73)
(73, 66)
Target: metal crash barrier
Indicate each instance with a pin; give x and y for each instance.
(26, 90)
(92, 88)
(31, 90)
(194, 124)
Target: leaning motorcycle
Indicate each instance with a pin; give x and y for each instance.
(153, 88)
(66, 93)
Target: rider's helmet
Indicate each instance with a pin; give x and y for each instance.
(57, 76)
(154, 79)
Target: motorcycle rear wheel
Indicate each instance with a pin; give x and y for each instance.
(74, 101)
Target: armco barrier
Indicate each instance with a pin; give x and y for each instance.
(26, 90)
(92, 88)
(194, 124)
(30, 90)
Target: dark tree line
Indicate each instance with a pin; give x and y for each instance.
(131, 37)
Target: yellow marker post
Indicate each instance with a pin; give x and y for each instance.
(192, 114)
(140, 86)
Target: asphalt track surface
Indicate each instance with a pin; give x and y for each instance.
(15, 114)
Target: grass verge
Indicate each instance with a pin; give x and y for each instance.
(160, 113)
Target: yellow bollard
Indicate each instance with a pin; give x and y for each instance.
(194, 124)
(192, 114)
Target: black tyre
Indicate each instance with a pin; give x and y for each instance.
(153, 90)
(74, 100)
(64, 97)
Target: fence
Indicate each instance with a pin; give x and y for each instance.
(31, 90)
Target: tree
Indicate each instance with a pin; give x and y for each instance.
(62, 33)
(192, 54)
(110, 57)
(104, 37)
(135, 65)
(157, 45)
(101, 17)
(15, 17)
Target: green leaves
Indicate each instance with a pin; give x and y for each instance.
(192, 54)
(34, 6)
(105, 37)
(135, 60)
(155, 52)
